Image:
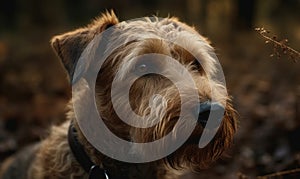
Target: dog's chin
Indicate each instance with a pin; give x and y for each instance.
(190, 156)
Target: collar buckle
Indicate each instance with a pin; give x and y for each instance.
(97, 173)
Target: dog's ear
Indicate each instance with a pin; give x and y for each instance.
(69, 46)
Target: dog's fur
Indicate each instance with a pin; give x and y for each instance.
(52, 158)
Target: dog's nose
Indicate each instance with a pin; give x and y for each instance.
(213, 111)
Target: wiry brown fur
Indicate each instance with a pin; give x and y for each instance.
(54, 159)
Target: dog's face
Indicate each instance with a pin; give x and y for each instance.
(143, 65)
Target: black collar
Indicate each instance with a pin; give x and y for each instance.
(94, 171)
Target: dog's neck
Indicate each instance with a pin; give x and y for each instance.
(108, 168)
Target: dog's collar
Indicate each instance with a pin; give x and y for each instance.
(94, 171)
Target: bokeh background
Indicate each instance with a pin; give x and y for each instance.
(266, 91)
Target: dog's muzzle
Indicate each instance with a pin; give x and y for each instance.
(213, 111)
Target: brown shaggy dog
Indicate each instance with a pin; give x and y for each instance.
(54, 158)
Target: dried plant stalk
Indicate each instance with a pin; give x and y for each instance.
(279, 46)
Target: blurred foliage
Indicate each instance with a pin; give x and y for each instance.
(34, 88)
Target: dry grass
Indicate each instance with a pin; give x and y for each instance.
(281, 174)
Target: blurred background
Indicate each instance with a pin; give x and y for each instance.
(266, 91)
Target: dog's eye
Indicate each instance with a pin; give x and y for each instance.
(144, 66)
(196, 66)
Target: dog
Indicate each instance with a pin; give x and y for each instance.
(68, 153)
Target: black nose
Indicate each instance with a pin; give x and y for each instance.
(213, 111)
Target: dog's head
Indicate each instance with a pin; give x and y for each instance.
(158, 66)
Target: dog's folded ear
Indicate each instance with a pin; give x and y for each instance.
(69, 46)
